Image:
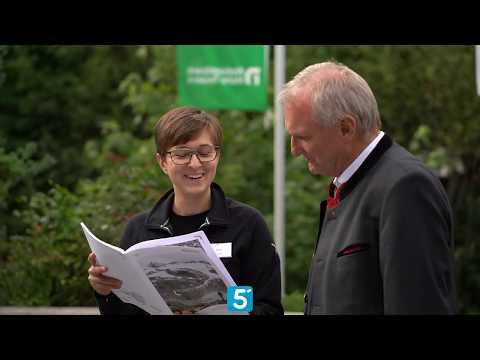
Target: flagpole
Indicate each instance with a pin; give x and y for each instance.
(477, 67)
(279, 163)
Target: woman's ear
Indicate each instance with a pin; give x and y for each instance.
(162, 162)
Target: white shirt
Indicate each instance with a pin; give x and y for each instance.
(353, 167)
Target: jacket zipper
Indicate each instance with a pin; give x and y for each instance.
(207, 222)
(165, 227)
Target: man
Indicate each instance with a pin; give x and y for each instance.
(385, 243)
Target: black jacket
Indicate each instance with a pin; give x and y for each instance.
(254, 260)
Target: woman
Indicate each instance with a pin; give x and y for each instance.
(188, 142)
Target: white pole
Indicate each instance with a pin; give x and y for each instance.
(279, 163)
(477, 66)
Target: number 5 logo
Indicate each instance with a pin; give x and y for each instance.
(240, 298)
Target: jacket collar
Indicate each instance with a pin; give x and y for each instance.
(218, 214)
(384, 144)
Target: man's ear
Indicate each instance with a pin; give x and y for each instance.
(162, 162)
(348, 127)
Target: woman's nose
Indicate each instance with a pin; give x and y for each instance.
(195, 161)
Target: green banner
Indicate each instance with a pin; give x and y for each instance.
(223, 76)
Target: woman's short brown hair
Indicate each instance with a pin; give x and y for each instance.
(182, 124)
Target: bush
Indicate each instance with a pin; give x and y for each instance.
(427, 100)
(50, 258)
(293, 302)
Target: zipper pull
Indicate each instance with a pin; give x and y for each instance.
(166, 226)
(207, 222)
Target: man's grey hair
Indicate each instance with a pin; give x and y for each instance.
(336, 91)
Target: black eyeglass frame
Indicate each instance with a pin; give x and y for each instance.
(196, 153)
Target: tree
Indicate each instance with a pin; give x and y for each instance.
(427, 100)
(58, 96)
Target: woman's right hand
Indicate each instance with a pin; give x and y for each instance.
(100, 283)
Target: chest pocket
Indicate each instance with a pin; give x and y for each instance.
(347, 280)
(357, 284)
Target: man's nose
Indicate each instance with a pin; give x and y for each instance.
(294, 148)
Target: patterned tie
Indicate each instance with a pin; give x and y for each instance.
(332, 202)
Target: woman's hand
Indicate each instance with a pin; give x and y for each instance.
(100, 283)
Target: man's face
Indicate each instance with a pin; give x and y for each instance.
(195, 177)
(320, 146)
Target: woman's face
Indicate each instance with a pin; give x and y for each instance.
(193, 178)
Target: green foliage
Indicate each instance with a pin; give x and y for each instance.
(51, 256)
(17, 171)
(91, 111)
(154, 93)
(247, 153)
(303, 194)
(45, 259)
(293, 302)
(59, 96)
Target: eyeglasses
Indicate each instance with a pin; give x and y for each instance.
(205, 153)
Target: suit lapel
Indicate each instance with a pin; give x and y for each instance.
(384, 144)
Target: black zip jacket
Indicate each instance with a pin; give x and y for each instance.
(254, 260)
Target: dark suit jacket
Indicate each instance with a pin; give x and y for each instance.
(387, 247)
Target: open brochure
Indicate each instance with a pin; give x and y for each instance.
(163, 276)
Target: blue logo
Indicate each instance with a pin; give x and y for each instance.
(240, 298)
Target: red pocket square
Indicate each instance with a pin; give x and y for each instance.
(353, 249)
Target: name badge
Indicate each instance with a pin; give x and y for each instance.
(223, 250)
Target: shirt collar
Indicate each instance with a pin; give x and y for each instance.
(353, 167)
